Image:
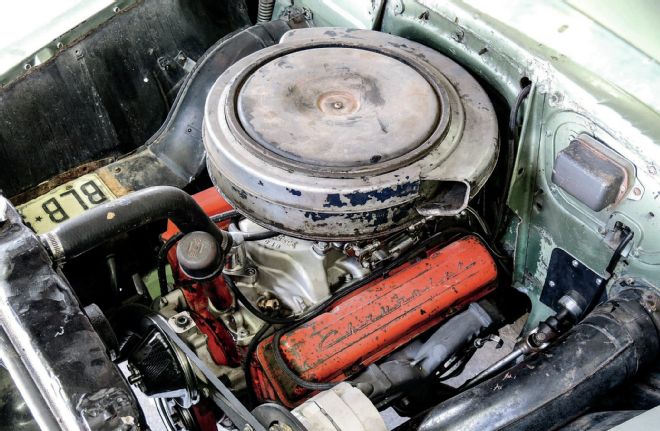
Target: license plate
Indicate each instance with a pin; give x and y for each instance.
(65, 202)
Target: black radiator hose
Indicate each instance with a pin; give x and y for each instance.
(97, 225)
(552, 387)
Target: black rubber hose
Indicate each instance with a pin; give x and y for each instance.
(224, 216)
(162, 262)
(612, 344)
(511, 155)
(253, 236)
(258, 236)
(614, 260)
(279, 360)
(92, 228)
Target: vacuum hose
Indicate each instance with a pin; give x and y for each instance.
(548, 389)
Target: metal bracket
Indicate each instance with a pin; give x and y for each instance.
(566, 273)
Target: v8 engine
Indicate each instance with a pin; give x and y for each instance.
(337, 155)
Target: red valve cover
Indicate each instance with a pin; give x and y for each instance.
(376, 320)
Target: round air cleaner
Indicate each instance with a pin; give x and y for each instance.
(337, 134)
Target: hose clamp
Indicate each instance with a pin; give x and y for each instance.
(53, 245)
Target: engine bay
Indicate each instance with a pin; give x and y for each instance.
(334, 228)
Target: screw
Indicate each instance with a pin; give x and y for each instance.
(551, 283)
(248, 427)
(116, 9)
(630, 281)
(182, 321)
(652, 170)
(637, 191)
(599, 282)
(575, 263)
(134, 378)
(556, 98)
(321, 247)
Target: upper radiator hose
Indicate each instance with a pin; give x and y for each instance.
(612, 344)
(78, 235)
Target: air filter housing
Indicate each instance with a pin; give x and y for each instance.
(337, 134)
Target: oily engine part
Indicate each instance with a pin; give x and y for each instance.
(376, 320)
(612, 344)
(347, 134)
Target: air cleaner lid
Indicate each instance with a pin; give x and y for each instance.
(338, 107)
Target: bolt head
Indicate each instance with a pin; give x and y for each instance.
(182, 321)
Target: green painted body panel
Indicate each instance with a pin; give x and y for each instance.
(586, 78)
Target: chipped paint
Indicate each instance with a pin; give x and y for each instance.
(383, 316)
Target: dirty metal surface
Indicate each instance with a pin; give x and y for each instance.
(64, 358)
(590, 174)
(566, 273)
(350, 140)
(88, 101)
(378, 319)
(348, 107)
